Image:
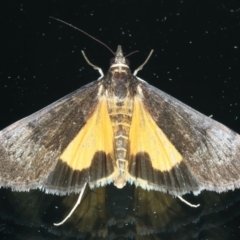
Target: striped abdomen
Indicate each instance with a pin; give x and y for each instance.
(121, 117)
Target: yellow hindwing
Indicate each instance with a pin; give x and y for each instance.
(147, 137)
(96, 135)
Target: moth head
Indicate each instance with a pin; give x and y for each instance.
(119, 59)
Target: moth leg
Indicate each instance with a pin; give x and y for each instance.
(94, 66)
(188, 203)
(142, 65)
(74, 208)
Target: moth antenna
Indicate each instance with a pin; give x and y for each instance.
(131, 53)
(73, 209)
(141, 66)
(94, 66)
(188, 203)
(105, 45)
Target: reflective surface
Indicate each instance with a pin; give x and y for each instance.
(110, 213)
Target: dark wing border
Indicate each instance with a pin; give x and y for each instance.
(210, 150)
(30, 148)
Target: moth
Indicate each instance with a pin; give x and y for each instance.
(119, 129)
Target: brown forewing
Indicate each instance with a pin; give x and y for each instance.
(30, 148)
(211, 151)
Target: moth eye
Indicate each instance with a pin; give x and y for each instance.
(127, 61)
(112, 61)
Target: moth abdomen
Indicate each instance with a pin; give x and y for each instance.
(121, 117)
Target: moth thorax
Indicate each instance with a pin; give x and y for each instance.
(120, 85)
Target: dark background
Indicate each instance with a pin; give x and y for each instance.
(196, 52)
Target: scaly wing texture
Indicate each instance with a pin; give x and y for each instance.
(30, 149)
(180, 149)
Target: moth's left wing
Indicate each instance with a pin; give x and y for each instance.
(176, 149)
(57, 148)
